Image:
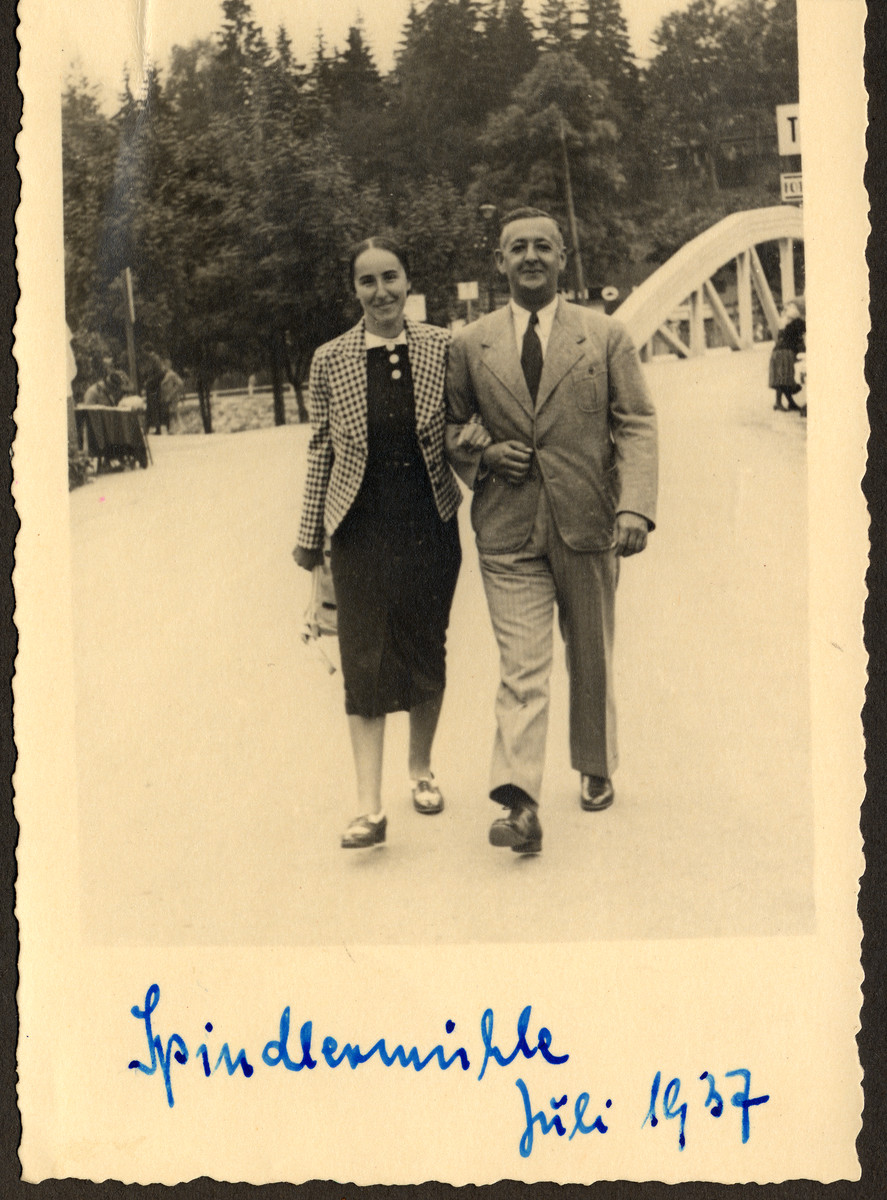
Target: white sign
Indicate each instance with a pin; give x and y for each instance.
(415, 307)
(467, 291)
(788, 128)
(792, 190)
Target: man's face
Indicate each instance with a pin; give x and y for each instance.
(531, 255)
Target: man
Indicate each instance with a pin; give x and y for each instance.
(172, 393)
(110, 388)
(566, 485)
(155, 414)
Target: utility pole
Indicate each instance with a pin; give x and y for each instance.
(571, 213)
(129, 319)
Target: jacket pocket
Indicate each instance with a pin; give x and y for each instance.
(591, 388)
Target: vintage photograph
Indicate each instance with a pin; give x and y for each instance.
(260, 196)
(439, 675)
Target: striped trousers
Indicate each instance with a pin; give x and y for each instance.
(522, 590)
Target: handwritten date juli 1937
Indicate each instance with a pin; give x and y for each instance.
(280, 1051)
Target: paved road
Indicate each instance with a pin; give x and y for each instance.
(214, 768)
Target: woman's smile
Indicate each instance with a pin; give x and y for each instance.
(382, 287)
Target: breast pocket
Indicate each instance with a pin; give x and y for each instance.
(590, 383)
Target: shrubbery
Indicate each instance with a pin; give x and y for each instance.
(80, 468)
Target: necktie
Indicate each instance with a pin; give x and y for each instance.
(531, 356)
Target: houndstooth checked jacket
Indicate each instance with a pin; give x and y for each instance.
(337, 452)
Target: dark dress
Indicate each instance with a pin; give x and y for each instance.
(789, 345)
(394, 561)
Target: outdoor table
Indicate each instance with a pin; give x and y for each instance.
(106, 433)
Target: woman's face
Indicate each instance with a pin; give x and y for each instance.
(382, 287)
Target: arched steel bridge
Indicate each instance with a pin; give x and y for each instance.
(683, 289)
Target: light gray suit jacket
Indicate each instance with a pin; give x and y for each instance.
(592, 429)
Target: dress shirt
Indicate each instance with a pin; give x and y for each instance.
(521, 319)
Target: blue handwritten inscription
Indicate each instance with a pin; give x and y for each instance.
(672, 1108)
(543, 1043)
(165, 1057)
(279, 1051)
(547, 1124)
(295, 1052)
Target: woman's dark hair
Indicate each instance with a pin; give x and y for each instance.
(378, 243)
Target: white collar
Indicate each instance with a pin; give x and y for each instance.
(373, 340)
(521, 318)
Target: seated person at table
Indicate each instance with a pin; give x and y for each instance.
(110, 388)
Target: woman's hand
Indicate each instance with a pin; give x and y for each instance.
(307, 559)
(473, 437)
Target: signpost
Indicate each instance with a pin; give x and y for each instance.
(467, 292)
(792, 189)
(788, 128)
(788, 134)
(415, 307)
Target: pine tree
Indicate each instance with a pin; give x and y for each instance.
(441, 91)
(605, 50)
(685, 85)
(559, 20)
(241, 41)
(352, 77)
(243, 52)
(288, 88)
(509, 50)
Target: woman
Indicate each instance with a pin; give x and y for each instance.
(789, 344)
(378, 484)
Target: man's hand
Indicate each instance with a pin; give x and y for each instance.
(509, 460)
(630, 534)
(307, 559)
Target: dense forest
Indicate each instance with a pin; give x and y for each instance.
(232, 184)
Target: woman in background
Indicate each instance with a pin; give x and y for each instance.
(789, 344)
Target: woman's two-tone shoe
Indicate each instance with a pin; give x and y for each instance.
(362, 833)
(427, 797)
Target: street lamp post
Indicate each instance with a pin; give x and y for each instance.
(571, 214)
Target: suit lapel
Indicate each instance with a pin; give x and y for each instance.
(501, 358)
(348, 379)
(563, 350)
(427, 366)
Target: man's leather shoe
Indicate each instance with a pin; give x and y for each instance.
(520, 830)
(596, 793)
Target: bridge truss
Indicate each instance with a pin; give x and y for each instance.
(683, 291)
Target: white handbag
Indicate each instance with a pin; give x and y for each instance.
(320, 613)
